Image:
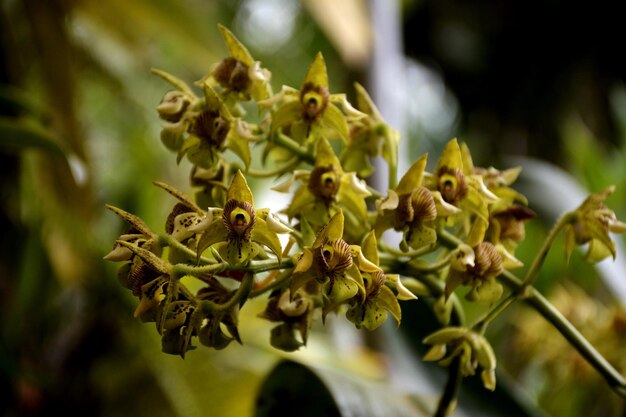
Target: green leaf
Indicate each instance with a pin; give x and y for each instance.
(17, 135)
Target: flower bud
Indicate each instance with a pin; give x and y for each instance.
(173, 106)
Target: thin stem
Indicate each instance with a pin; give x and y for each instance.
(168, 240)
(410, 254)
(531, 275)
(447, 402)
(481, 325)
(277, 282)
(573, 336)
(288, 166)
(293, 146)
(210, 307)
(539, 303)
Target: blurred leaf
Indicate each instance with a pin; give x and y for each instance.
(18, 136)
(288, 390)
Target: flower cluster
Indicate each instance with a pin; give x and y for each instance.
(459, 224)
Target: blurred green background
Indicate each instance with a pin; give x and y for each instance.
(539, 84)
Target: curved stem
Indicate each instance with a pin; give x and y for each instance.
(288, 166)
(573, 336)
(209, 307)
(481, 325)
(293, 146)
(168, 240)
(410, 254)
(531, 275)
(277, 282)
(447, 402)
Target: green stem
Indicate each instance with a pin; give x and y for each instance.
(277, 282)
(573, 336)
(168, 240)
(481, 325)
(288, 166)
(209, 307)
(446, 404)
(531, 275)
(410, 254)
(293, 146)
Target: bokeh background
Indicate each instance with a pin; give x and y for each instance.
(541, 84)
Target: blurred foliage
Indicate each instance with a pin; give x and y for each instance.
(78, 128)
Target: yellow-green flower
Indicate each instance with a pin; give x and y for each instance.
(240, 74)
(328, 189)
(369, 137)
(370, 310)
(412, 209)
(240, 230)
(471, 348)
(294, 313)
(310, 112)
(212, 129)
(477, 267)
(458, 187)
(591, 224)
(329, 262)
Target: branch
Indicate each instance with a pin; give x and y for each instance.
(573, 336)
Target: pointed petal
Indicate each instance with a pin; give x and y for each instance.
(343, 289)
(445, 335)
(216, 232)
(305, 262)
(239, 189)
(237, 49)
(389, 302)
(403, 293)
(413, 177)
(239, 146)
(365, 103)
(325, 156)
(334, 119)
(317, 74)
(477, 232)
(598, 251)
(451, 156)
(332, 231)
(369, 246)
(364, 264)
(174, 81)
(466, 157)
(261, 234)
(286, 114)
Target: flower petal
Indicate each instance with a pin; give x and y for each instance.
(262, 234)
(413, 177)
